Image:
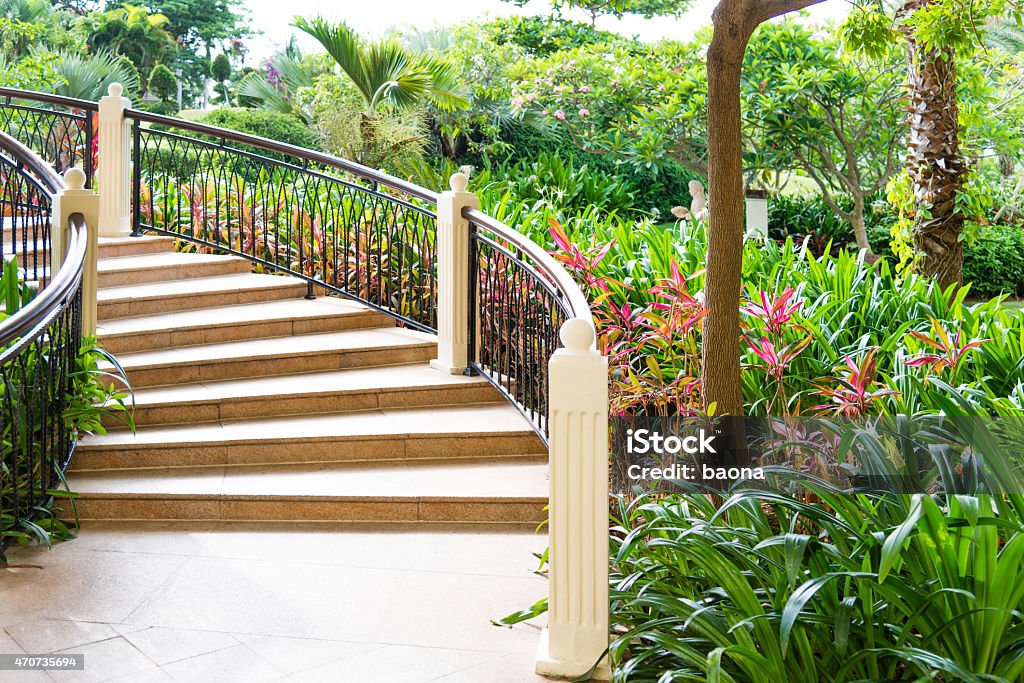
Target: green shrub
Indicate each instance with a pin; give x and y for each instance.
(855, 588)
(266, 124)
(800, 215)
(994, 262)
(541, 36)
(162, 83)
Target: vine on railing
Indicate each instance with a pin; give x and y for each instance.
(288, 210)
(61, 130)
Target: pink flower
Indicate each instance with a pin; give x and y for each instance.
(517, 102)
(661, 87)
(558, 90)
(584, 88)
(559, 114)
(545, 112)
(616, 84)
(584, 112)
(531, 97)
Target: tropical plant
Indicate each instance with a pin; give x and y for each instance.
(129, 30)
(384, 71)
(767, 587)
(88, 77)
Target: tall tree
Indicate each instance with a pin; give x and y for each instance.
(833, 115)
(734, 23)
(936, 33)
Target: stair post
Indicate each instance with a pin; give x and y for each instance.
(453, 276)
(578, 610)
(76, 198)
(114, 164)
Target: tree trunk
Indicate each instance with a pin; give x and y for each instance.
(857, 220)
(934, 161)
(721, 347)
(734, 23)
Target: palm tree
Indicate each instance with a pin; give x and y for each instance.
(935, 163)
(87, 78)
(287, 72)
(384, 72)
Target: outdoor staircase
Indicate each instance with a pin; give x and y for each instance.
(255, 403)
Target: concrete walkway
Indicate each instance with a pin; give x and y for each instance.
(249, 602)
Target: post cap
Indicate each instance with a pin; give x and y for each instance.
(74, 177)
(115, 89)
(459, 182)
(577, 334)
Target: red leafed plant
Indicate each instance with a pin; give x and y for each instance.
(776, 312)
(854, 394)
(582, 263)
(949, 351)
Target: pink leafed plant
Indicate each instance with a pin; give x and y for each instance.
(855, 394)
(775, 359)
(950, 351)
(775, 312)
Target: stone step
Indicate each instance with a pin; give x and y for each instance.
(455, 492)
(337, 391)
(113, 247)
(194, 294)
(278, 356)
(164, 266)
(406, 434)
(109, 247)
(234, 323)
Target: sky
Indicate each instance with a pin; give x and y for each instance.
(273, 17)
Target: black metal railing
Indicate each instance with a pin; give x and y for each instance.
(39, 347)
(345, 229)
(61, 130)
(519, 296)
(341, 227)
(24, 212)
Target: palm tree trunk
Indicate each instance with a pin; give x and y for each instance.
(934, 160)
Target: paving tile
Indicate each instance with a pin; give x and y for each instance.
(271, 597)
(292, 655)
(454, 611)
(50, 635)
(81, 585)
(105, 660)
(392, 664)
(166, 645)
(237, 663)
(512, 668)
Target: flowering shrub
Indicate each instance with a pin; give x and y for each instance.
(822, 334)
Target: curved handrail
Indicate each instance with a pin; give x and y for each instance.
(53, 297)
(567, 289)
(60, 100)
(63, 283)
(49, 179)
(309, 155)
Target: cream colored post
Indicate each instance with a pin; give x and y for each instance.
(113, 170)
(453, 276)
(578, 610)
(77, 199)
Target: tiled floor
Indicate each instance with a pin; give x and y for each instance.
(233, 602)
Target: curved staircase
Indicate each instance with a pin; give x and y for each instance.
(255, 403)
